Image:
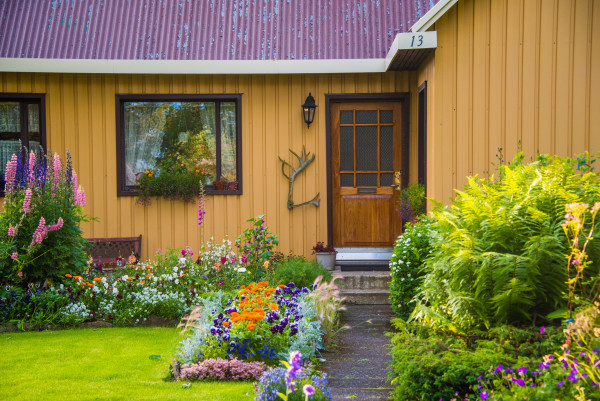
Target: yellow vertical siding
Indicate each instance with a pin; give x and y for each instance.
(510, 72)
(80, 112)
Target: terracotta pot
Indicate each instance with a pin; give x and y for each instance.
(232, 185)
(219, 185)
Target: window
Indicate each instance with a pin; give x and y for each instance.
(22, 122)
(199, 133)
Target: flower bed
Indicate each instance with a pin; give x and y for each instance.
(259, 323)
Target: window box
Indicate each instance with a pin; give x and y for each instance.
(181, 140)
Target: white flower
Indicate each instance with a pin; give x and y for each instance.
(241, 270)
(402, 279)
(176, 281)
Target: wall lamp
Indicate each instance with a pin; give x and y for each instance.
(308, 110)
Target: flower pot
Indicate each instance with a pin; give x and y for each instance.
(326, 259)
(232, 185)
(219, 185)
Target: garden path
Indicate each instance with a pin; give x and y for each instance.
(357, 367)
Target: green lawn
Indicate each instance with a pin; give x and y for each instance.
(100, 364)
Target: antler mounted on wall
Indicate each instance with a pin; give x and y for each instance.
(304, 159)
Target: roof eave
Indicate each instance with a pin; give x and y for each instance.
(192, 66)
(435, 13)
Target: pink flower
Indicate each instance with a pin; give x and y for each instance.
(30, 173)
(14, 256)
(11, 231)
(74, 179)
(80, 197)
(158, 251)
(57, 226)
(56, 169)
(40, 233)
(9, 175)
(27, 200)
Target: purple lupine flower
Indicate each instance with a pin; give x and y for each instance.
(201, 210)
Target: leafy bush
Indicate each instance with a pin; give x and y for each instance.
(571, 373)
(300, 271)
(411, 202)
(407, 265)
(40, 237)
(499, 251)
(431, 365)
(33, 304)
(256, 247)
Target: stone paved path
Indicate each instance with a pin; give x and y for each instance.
(357, 367)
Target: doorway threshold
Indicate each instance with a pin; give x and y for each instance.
(363, 259)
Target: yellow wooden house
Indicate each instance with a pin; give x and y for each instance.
(405, 91)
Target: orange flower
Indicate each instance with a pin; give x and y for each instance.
(226, 323)
(273, 306)
(150, 275)
(89, 285)
(68, 275)
(281, 286)
(142, 282)
(132, 259)
(251, 326)
(130, 278)
(97, 279)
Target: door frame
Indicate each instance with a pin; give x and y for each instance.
(403, 98)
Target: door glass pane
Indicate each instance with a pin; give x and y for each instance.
(346, 117)
(347, 180)
(33, 121)
(386, 116)
(366, 116)
(228, 141)
(387, 148)
(366, 180)
(366, 148)
(10, 132)
(346, 148)
(387, 179)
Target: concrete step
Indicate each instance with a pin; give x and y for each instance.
(364, 280)
(367, 297)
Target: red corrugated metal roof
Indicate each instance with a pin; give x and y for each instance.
(204, 29)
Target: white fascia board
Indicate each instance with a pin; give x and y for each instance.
(192, 66)
(433, 15)
(411, 41)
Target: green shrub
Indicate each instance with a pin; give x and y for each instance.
(406, 265)
(300, 271)
(499, 250)
(430, 365)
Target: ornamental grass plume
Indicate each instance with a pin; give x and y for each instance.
(328, 304)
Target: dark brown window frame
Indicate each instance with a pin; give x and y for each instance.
(25, 99)
(120, 99)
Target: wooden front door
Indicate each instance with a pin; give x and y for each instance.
(366, 151)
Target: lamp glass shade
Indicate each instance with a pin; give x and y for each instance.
(308, 110)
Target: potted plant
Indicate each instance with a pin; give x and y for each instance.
(325, 255)
(219, 185)
(232, 185)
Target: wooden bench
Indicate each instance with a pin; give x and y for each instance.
(108, 251)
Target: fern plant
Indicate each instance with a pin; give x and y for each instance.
(499, 249)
